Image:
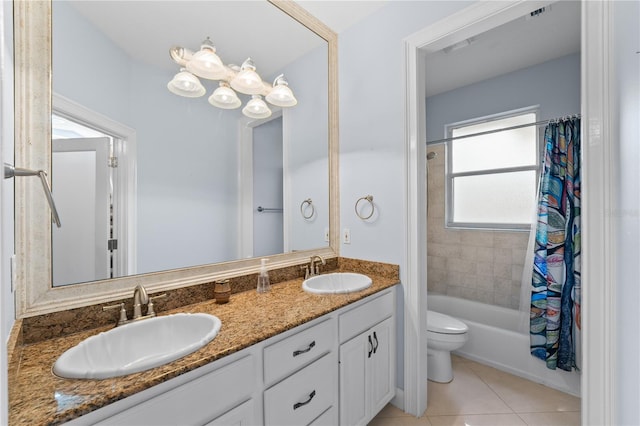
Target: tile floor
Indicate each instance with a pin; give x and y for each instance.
(483, 396)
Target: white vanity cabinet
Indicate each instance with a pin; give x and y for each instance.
(293, 378)
(222, 393)
(242, 415)
(223, 389)
(304, 366)
(367, 360)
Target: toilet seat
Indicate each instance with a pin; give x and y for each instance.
(444, 324)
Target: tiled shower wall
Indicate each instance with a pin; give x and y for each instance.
(485, 266)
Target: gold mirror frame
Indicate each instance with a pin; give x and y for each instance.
(34, 292)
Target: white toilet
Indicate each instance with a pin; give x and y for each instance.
(444, 334)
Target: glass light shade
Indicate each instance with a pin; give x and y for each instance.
(281, 95)
(205, 63)
(186, 84)
(248, 81)
(224, 97)
(256, 108)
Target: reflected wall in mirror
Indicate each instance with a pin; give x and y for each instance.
(181, 207)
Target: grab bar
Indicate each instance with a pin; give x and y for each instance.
(11, 171)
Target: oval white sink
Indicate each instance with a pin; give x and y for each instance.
(338, 282)
(137, 346)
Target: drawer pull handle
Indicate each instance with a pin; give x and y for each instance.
(370, 346)
(375, 337)
(304, 351)
(300, 404)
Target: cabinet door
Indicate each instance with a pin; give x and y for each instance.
(242, 415)
(381, 375)
(353, 377)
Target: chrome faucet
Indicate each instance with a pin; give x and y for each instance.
(313, 268)
(140, 297)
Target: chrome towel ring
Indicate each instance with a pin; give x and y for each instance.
(306, 204)
(368, 198)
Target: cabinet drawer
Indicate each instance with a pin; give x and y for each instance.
(195, 402)
(301, 398)
(363, 317)
(288, 355)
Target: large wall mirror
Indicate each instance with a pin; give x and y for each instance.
(158, 189)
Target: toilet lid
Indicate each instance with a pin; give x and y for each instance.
(440, 323)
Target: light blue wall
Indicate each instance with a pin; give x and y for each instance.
(554, 85)
(372, 132)
(90, 70)
(187, 150)
(187, 175)
(627, 215)
(307, 128)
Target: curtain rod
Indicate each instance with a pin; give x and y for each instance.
(537, 123)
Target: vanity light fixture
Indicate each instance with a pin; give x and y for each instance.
(248, 81)
(224, 97)
(281, 95)
(186, 84)
(206, 64)
(256, 108)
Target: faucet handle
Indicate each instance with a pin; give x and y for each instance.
(123, 312)
(150, 308)
(305, 268)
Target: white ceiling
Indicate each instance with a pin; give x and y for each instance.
(518, 44)
(340, 15)
(239, 29)
(257, 29)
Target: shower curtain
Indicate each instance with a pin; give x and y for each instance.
(555, 294)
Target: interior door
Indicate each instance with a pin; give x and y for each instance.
(81, 189)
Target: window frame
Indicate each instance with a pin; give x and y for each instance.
(450, 176)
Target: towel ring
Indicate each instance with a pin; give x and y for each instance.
(368, 198)
(308, 204)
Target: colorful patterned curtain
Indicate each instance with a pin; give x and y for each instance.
(555, 295)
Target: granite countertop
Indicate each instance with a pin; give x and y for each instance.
(38, 397)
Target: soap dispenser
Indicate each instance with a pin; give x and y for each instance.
(263, 278)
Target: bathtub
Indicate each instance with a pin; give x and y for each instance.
(494, 340)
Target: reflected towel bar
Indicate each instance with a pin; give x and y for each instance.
(11, 171)
(268, 209)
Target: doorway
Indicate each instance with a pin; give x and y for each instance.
(93, 175)
(598, 371)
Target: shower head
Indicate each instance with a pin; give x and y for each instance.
(431, 155)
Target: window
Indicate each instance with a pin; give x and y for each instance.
(491, 178)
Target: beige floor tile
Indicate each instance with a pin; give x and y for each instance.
(478, 420)
(400, 421)
(458, 360)
(524, 396)
(391, 411)
(551, 419)
(466, 394)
